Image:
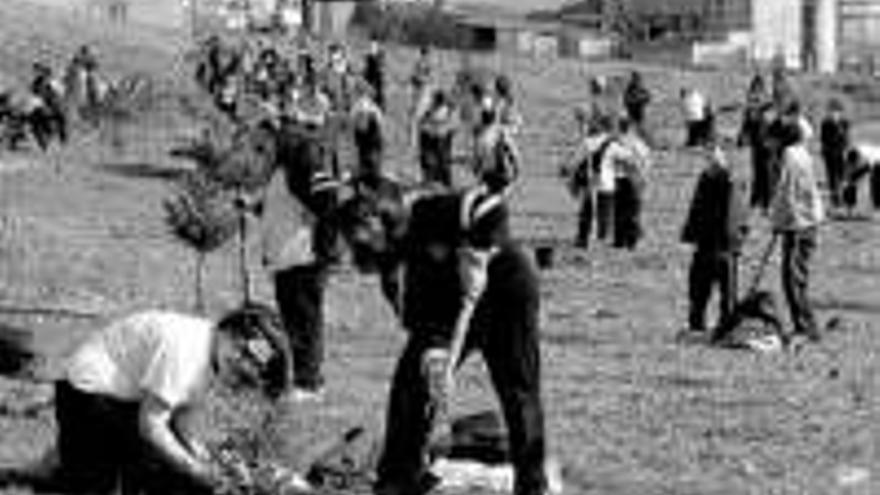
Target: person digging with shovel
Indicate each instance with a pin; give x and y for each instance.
(466, 285)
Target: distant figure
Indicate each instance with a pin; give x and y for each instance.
(374, 72)
(796, 213)
(754, 134)
(367, 124)
(591, 180)
(861, 160)
(508, 115)
(84, 88)
(420, 83)
(834, 135)
(631, 168)
(698, 116)
(600, 106)
(436, 132)
(496, 156)
(48, 118)
(636, 98)
(716, 226)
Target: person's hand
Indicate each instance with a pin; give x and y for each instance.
(436, 371)
(473, 268)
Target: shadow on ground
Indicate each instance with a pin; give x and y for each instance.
(142, 171)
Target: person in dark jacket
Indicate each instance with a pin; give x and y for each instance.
(374, 72)
(455, 251)
(834, 134)
(436, 134)
(716, 226)
(636, 98)
(48, 119)
(754, 133)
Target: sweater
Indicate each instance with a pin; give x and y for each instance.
(797, 202)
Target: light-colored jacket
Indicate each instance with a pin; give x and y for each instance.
(797, 202)
(287, 228)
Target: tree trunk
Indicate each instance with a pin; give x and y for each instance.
(243, 258)
(199, 279)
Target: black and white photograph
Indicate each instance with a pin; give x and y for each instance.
(440, 247)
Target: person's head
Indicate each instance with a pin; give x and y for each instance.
(424, 51)
(835, 108)
(363, 89)
(488, 112)
(439, 98)
(757, 85)
(598, 85)
(372, 224)
(337, 56)
(250, 350)
(604, 124)
(621, 125)
(635, 77)
(853, 158)
(504, 87)
(792, 132)
(41, 69)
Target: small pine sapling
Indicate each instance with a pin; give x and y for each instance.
(202, 215)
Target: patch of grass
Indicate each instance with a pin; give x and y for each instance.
(628, 410)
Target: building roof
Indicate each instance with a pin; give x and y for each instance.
(473, 14)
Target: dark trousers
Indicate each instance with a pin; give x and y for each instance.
(797, 249)
(761, 190)
(100, 448)
(505, 331)
(709, 268)
(435, 157)
(699, 132)
(627, 213)
(599, 205)
(834, 173)
(299, 292)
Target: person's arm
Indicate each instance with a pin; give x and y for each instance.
(155, 424)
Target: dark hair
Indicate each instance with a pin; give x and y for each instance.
(791, 133)
(256, 322)
(504, 87)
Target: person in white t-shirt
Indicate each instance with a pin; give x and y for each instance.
(698, 117)
(128, 392)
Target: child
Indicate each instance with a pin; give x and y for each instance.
(796, 212)
(716, 227)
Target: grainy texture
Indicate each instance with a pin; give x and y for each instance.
(628, 410)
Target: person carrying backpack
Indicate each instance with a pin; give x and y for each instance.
(584, 174)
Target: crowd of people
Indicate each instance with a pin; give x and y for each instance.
(449, 264)
(52, 102)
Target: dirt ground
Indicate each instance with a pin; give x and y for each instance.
(629, 410)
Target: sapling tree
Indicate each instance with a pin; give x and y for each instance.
(202, 214)
(240, 167)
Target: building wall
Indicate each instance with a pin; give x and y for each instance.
(859, 35)
(777, 31)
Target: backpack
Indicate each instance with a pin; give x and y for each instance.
(589, 167)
